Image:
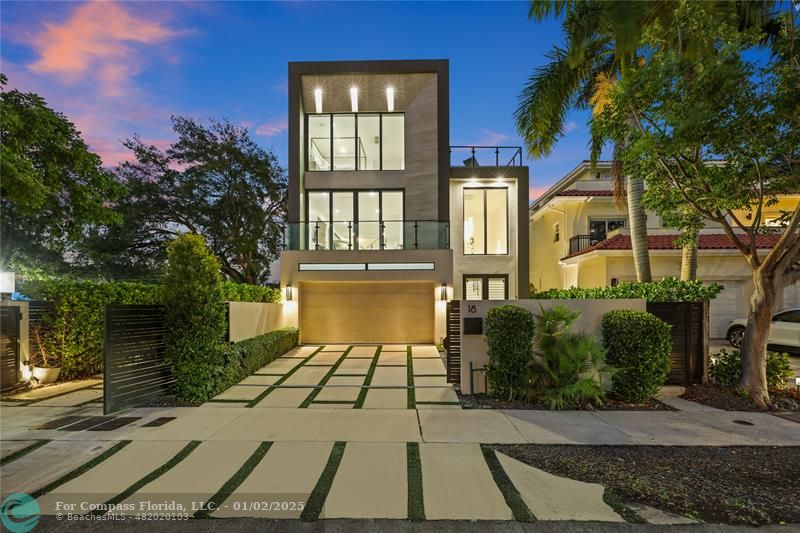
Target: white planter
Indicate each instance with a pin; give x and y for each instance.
(43, 376)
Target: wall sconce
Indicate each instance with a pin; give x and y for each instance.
(443, 293)
(289, 293)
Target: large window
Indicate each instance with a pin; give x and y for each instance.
(356, 141)
(355, 220)
(600, 227)
(486, 221)
(486, 287)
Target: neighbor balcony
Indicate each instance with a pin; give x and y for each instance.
(368, 235)
(486, 156)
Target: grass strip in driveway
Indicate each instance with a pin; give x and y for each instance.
(416, 500)
(368, 380)
(23, 452)
(412, 399)
(286, 376)
(316, 500)
(615, 502)
(152, 476)
(69, 476)
(234, 481)
(510, 493)
(324, 380)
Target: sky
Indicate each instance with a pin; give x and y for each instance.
(122, 68)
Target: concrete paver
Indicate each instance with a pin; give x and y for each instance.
(371, 482)
(335, 347)
(51, 390)
(431, 381)
(7, 447)
(275, 425)
(428, 366)
(281, 365)
(193, 423)
(338, 394)
(197, 477)
(392, 358)
(552, 497)
(386, 399)
(371, 425)
(113, 475)
(348, 405)
(424, 351)
(307, 376)
(287, 473)
(389, 377)
(573, 427)
(394, 348)
(259, 380)
(467, 425)
(352, 381)
(457, 484)
(354, 366)
(285, 397)
(27, 473)
(301, 351)
(325, 358)
(435, 394)
(72, 399)
(362, 351)
(241, 392)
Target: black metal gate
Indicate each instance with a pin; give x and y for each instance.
(134, 369)
(452, 343)
(689, 357)
(9, 346)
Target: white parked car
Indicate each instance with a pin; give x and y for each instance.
(783, 334)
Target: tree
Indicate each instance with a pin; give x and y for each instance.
(604, 41)
(213, 181)
(716, 135)
(52, 186)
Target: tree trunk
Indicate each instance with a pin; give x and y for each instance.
(754, 343)
(689, 260)
(636, 216)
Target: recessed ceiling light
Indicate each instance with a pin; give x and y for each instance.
(318, 99)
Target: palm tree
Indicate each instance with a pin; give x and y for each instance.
(602, 42)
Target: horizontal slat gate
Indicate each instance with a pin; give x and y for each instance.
(453, 342)
(689, 321)
(135, 369)
(9, 347)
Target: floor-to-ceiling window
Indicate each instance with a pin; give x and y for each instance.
(355, 141)
(350, 220)
(485, 221)
(485, 286)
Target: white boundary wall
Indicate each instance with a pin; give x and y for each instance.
(473, 347)
(251, 319)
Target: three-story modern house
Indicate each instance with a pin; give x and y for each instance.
(383, 229)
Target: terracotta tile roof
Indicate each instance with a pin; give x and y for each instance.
(576, 192)
(708, 241)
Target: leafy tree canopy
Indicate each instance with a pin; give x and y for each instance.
(213, 181)
(52, 186)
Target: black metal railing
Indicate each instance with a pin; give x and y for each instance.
(486, 156)
(367, 235)
(579, 243)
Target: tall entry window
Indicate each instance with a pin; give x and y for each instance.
(486, 221)
(355, 220)
(486, 287)
(355, 141)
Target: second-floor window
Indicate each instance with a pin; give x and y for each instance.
(355, 141)
(600, 227)
(355, 220)
(486, 221)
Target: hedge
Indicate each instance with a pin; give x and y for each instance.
(509, 334)
(726, 368)
(74, 331)
(666, 290)
(638, 345)
(246, 357)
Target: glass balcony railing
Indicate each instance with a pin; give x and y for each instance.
(367, 235)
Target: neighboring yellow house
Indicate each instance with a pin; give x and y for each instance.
(579, 238)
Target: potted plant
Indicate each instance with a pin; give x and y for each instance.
(45, 365)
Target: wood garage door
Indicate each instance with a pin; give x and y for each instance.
(353, 312)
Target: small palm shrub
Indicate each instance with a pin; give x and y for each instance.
(509, 331)
(638, 345)
(726, 368)
(566, 368)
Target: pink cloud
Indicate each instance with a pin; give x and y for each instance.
(96, 41)
(273, 127)
(491, 138)
(536, 192)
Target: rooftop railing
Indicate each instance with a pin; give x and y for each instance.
(486, 156)
(367, 235)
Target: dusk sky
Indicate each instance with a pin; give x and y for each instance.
(119, 68)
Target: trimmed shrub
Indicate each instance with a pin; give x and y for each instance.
(509, 332)
(638, 345)
(566, 367)
(248, 356)
(195, 318)
(666, 290)
(726, 368)
(73, 333)
(244, 292)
